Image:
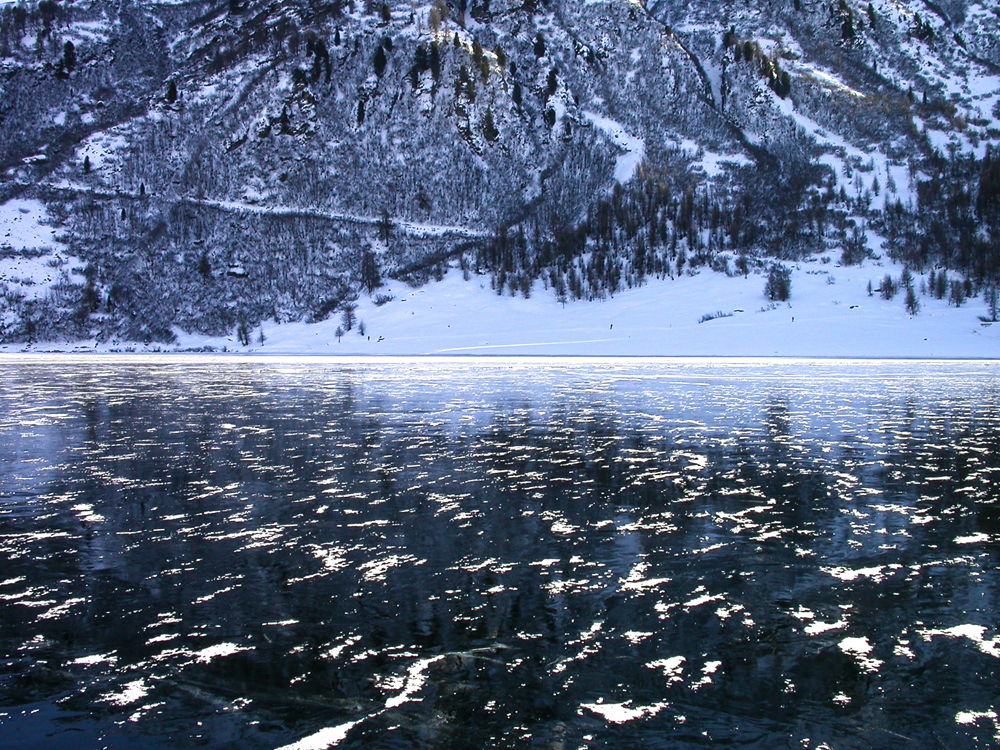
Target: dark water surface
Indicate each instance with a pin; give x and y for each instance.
(512, 553)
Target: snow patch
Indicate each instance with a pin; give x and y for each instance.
(325, 738)
(31, 258)
(860, 649)
(634, 148)
(622, 713)
(218, 651)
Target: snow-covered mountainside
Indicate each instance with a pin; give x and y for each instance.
(174, 172)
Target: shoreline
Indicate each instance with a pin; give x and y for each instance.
(280, 358)
(830, 315)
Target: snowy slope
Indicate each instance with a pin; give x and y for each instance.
(215, 168)
(830, 314)
(32, 259)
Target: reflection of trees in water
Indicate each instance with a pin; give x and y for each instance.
(230, 511)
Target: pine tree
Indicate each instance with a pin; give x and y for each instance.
(69, 56)
(540, 45)
(371, 277)
(992, 298)
(778, 287)
(988, 197)
(489, 128)
(348, 318)
(380, 60)
(847, 29)
(171, 92)
(204, 265)
(480, 61)
(957, 294)
(888, 289)
(435, 61)
(385, 226)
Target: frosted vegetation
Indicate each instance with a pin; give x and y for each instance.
(199, 172)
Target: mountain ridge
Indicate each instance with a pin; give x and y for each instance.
(209, 166)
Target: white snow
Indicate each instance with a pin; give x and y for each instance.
(819, 627)
(622, 713)
(830, 81)
(96, 659)
(633, 148)
(101, 148)
(31, 257)
(416, 677)
(846, 161)
(829, 315)
(218, 651)
(860, 649)
(974, 633)
(323, 739)
(672, 668)
(408, 227)
(710, 162)
(23, 227)
(977, 538)
(129, 693)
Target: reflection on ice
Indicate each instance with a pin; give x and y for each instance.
(974, 633)
(621, 713)
(325, 738)
(530, 553)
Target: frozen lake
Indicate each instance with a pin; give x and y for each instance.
(310, 553)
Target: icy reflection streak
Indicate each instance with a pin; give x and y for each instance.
(452, 555)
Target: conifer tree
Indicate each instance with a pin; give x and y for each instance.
(435, 61)
(489, 128)
(69, 56)
(779, 283)
(912, 303)
(371, 277)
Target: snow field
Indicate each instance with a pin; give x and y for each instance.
(829, 315)
(30, 257)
